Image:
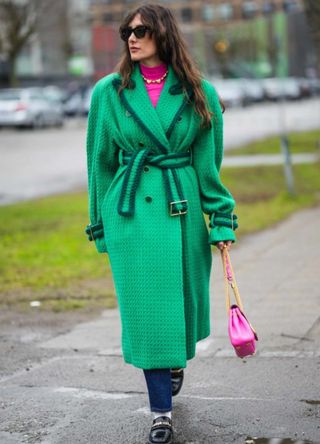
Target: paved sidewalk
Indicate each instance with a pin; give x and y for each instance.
(86, 394)
(268, 159)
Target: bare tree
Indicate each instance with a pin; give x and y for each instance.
(312, 10)
(18, 22)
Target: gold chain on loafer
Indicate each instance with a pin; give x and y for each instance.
(176, 371)
(162, 425)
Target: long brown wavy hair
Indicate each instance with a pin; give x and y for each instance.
(172, 49)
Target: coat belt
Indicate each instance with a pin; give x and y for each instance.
(168, 163)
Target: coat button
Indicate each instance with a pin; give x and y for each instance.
(148, 199)
(141, 144)
(179, 119)
(145, 169)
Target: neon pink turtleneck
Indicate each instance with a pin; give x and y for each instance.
(154, 89)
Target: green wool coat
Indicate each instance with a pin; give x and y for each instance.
(152, 173)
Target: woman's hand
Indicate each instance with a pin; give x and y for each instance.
(222, 245)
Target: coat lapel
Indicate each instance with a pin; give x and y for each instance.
(157, 122)
(171, 103)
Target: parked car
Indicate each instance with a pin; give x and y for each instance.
(29, 107)
(252, 90)
(272, 88)
(87, 100)
(291, 88)
(314, 84)
(78, 103)
(73, 105)
(229, 90)
(278, 88)
(305, 87)
(53, 92)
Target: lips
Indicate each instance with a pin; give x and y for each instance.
(133, 48)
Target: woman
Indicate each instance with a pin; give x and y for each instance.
(154, 147)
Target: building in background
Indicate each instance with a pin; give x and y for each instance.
(78, 39)
(252, 38)
(80, 59)
(60, 47)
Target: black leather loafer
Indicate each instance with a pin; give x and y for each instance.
(161, 431)
(176, 380)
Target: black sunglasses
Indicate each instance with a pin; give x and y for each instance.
(138, 31)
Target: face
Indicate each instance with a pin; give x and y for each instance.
(143, 49)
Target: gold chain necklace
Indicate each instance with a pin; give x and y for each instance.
(155, 80)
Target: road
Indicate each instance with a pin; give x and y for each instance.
(65, 382)
(37, 163)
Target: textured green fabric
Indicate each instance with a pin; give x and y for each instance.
(160, 263)
(168, 163)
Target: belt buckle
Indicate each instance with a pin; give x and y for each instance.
(179, 212)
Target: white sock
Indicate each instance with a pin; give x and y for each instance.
(157, 414)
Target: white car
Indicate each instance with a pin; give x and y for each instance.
(230, 91)
(29, 107)
(278, 88)
(78, 103)
(253, 90)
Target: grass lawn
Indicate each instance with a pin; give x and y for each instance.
(261, 196)
(45, 254)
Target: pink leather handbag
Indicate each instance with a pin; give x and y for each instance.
(241, 333)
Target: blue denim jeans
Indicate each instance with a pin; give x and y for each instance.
(159, 389)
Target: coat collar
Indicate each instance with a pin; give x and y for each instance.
(158, 122)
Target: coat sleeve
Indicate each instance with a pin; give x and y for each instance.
(102, 162)
(216, 200)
